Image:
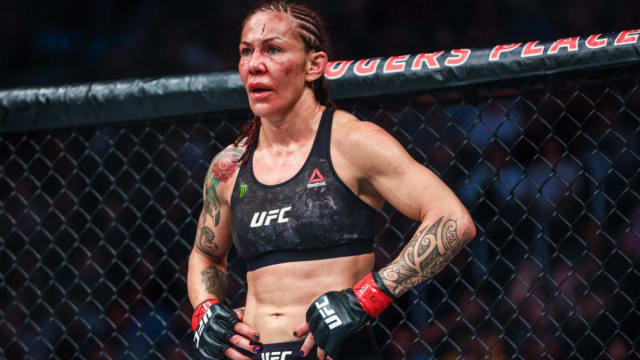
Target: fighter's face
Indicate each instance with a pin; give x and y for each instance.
(272, 63)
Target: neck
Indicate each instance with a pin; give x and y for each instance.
(296, 126)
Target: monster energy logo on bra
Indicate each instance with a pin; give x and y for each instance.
(243, 190)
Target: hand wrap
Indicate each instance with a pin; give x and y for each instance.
(213, 324)
(337, 314)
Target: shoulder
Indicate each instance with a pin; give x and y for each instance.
(227, 161)
(363, 143)
(351, 133)
(224, 167)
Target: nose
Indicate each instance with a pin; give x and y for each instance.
(256, 63)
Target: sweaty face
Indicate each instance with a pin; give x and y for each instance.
(272, 63)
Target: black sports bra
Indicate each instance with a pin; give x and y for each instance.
(313, 215)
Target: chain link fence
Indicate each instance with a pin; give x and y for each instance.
(97, 223)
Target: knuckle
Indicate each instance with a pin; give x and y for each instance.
(321, 354)
(234, 339)
(240, 327)
(234, 355)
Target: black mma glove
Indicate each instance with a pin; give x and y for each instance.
(213, 324)
(338, 314)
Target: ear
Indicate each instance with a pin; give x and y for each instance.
(316, 63)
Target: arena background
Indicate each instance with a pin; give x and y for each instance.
(45, 43)
(97, 220)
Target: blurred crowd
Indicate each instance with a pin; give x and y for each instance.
(551, 180)
(98, 224)
(48, 43)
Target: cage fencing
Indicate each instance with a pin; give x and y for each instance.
(99, 213)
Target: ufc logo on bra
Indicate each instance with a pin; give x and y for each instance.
(328, 314)
(275, 355)
(264, 218)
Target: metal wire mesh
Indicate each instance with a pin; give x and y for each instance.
(97, 224)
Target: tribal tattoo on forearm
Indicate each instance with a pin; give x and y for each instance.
(429, 250)
(215, 281)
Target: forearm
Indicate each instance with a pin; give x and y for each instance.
(428, 252)
(206, 279)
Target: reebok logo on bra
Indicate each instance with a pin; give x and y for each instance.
(316, 179)
(263, 218)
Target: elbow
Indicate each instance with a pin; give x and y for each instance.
(200, 259)
(467, 229)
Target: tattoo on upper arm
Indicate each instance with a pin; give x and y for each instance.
(211, 205)
(428, 251)
(215, 281)
(205, 241)
(222, 169)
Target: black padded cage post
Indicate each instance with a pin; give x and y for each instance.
(100, 191)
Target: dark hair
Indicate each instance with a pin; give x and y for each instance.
(313, 32)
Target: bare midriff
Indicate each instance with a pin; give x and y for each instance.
(279, 295)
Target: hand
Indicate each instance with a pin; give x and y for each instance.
(336, 315)
(309, 342)
(217, 327)
(332, 317)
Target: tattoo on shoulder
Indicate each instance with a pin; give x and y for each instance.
(215, 281)
(222, 169)
(429, 251)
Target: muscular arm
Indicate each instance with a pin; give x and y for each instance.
(445, 225)
(377, 168)
(207, 274)
(429, 251)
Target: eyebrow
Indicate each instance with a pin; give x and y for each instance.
(264, 40)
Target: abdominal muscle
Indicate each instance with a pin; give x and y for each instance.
(279, 295)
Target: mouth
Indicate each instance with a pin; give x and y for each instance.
(259, 92)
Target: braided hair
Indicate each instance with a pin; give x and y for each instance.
(313, 32)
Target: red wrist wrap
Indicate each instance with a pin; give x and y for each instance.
(371, 298)
(199, 312)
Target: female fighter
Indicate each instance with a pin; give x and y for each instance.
(297, 195)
